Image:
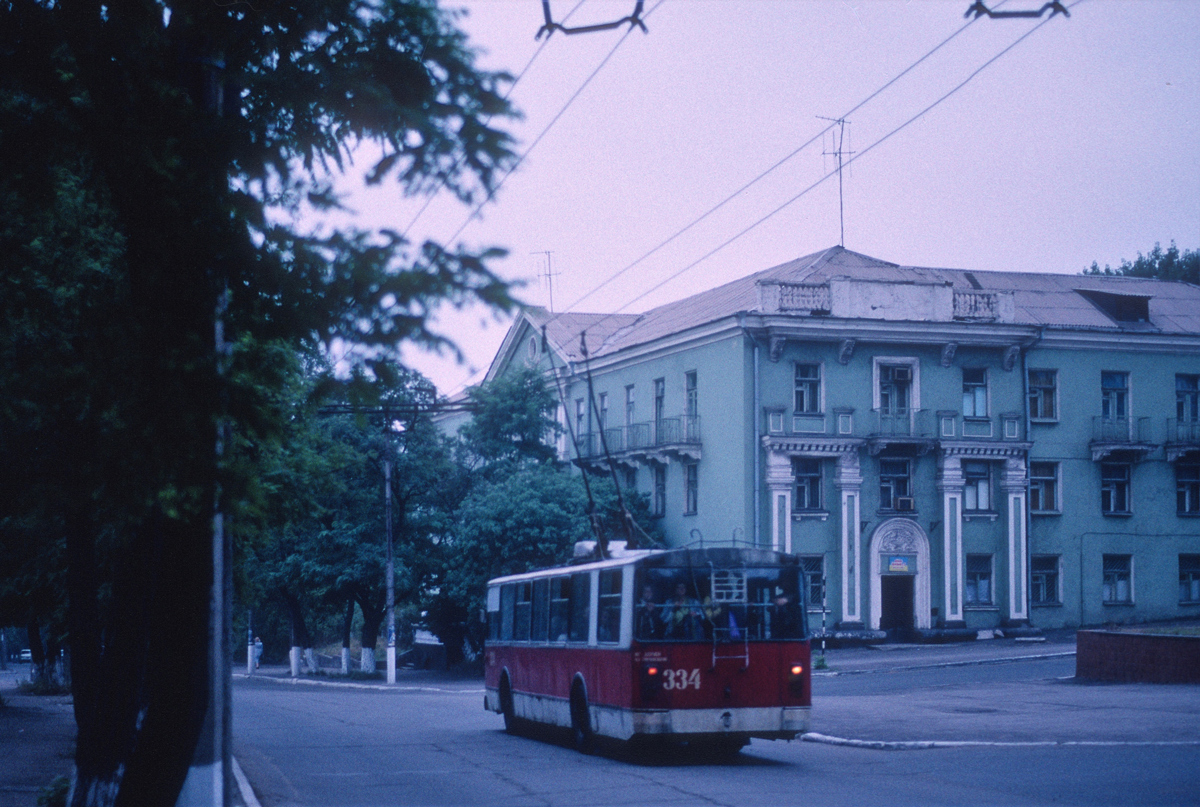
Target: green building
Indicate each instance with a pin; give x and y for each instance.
(948, 451)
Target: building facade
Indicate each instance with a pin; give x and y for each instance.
(947, 451)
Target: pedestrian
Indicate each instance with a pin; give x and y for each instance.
(258, 648)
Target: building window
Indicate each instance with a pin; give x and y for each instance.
(1187, 398)
(895, 386)
(1043, 394)
(629, 406)
(580, 418)
(1118, 579)
(693, 401)
(977, 486)
(1043, 487)
(603, 418)
(1114, 488)
(1189, 579)
(975, 392)
(808, 389)
(631, 478)
(808, 483)
(1114, 391)
(1043, 580)
(1187, 488)
(978, 589)
(813, 567)
(691, 496)
(660, 489)
(894, 485)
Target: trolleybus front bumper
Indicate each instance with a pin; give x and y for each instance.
(768, 722)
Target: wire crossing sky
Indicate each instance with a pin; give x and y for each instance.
(692, 145)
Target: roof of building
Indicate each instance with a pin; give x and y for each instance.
(1052, 301)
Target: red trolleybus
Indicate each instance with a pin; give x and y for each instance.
(708, 646)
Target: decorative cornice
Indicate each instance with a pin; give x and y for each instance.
(981, 448)
(800, 445)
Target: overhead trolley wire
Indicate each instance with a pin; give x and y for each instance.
(487, 120)
(491, 193)
(769, 170)
(814, 185)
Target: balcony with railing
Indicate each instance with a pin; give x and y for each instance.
(1183, 437)
(900, 427)
(666, 437)
(1125, 436)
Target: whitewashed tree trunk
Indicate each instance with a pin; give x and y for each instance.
(345, 661)
(310, 659)
(367, 663)
(294, 658)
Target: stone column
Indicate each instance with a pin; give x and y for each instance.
(780, 480)
(1014, 487)
(950, 483)
(849, 484)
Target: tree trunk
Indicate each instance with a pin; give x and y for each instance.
(141, 690)
(301, 642)
(372, 620)
(37, 652)
(347, 625)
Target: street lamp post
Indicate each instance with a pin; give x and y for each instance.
(391, 574)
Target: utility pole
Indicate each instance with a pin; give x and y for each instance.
(549, 275)
(391, 576)
(838, 152)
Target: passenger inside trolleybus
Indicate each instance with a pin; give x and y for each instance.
(725, 605)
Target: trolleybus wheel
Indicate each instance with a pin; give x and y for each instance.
(581, 723)
(506, 705)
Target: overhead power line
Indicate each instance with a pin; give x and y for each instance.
(814, 185)
(777, 164)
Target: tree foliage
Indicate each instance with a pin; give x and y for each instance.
(1168, 264)
(512, 419)
(157, 160)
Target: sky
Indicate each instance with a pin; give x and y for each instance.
(1077, 143)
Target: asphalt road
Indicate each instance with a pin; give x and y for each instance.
(1019, 732)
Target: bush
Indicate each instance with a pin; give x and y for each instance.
(55, 793)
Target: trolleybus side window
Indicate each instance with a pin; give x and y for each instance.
(524, 612)
(508, 595)
(493, 613)
(541, 614)
(581, 591)
(609, 628)
(560, 607)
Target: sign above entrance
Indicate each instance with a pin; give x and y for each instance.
(899, 564)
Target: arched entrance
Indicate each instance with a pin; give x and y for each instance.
(900, 576)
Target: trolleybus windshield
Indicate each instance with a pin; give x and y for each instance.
(706, 603)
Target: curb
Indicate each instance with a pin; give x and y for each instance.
(243, 785)
(966, 663)
(923, 745)
(349, 685)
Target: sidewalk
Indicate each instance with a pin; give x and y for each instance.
(37, 733)
(891, 657)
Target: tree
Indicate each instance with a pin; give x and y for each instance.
(512, 419)
(1170, 264)
(154, 159)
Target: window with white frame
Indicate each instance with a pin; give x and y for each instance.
(691, 499)
(1118, 579)
(978, 589)
(1114, 488)
(977, 485)
(1114, 396)
(1187, 488)
(895, 484)
(813, 567)
(808, 389)
(1043, 580)
(895, 389)
(1187, 398)
(975, 392)
(808, 484)
(1043, 394)
(1043, 487)
(1189, 579)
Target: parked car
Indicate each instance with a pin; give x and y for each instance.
(27, 655)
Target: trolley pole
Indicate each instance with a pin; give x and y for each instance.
(391, 576)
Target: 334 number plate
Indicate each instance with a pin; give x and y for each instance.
(681, 679)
